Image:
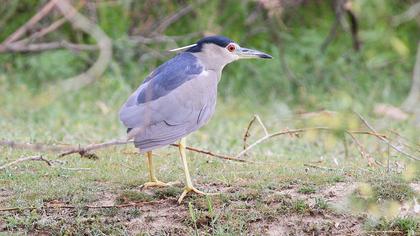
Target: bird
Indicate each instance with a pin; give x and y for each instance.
(179, 97)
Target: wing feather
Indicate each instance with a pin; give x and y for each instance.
(162, 108)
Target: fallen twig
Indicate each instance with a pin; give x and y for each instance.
(23, 159)
(76, 169)
(360, 148)
(40, 147)
(213, 154)
(85, 150)
(58, 206)
(408, 155)
(320, 167)
(268, 136)
(406, 142)
(248, 129)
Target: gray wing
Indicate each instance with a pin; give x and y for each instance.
(163, 108)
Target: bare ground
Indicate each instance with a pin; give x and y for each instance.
(267, 212)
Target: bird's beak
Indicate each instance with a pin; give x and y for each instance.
(245, 53)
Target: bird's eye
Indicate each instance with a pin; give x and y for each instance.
(231, 47)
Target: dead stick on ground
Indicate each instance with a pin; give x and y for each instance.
(84, 150)
(61, 206)
(361, 149)
(408, 155)
(248, 129)
(247, 132)
(359, 146)
(320, 167)
(23, 159)
(268, 136)
(214, 154)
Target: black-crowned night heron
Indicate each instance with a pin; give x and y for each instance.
(178, 98)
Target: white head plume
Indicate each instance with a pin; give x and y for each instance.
(182, 48)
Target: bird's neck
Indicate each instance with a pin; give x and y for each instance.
(212, 58)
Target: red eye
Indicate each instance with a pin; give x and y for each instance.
(231, 48)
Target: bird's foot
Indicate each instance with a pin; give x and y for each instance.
(188, 189)
(158, 184)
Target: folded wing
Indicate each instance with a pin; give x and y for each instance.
(163, 109)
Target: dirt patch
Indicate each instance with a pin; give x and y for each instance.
(309, 218)
(166, 218)
(416, 187)
(412, 207)
(105, 199)
(289, 211)
(315, 225)
(4, 195)
(335, 195)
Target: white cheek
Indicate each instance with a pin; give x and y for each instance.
(232, 56)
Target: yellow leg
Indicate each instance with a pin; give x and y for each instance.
(154, 182)
(189, 186)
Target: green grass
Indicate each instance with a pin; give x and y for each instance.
(392, 189)
(249, 191)
(401, 226)
(277, 191)
(307, 190)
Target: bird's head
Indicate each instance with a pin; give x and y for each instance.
(220, 51)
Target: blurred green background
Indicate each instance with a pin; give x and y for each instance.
(301, 74)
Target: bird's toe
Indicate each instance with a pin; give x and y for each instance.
(158, 184)
(192, 189)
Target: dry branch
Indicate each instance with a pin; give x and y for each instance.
(54, 26)
(413, 99)
(33, 146)
(319, 167)
(408, 155)
(139, 39)
(209, 153)
(359, 146)
(248, 129)
(411, 13)
(341, 7)
(36, 47)
(103, 41)
(169, 20)
(268, 136)
(83, 151)
(28, 25)
(65, 206)
(86, 151)
(23, 159)
(362, 150)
